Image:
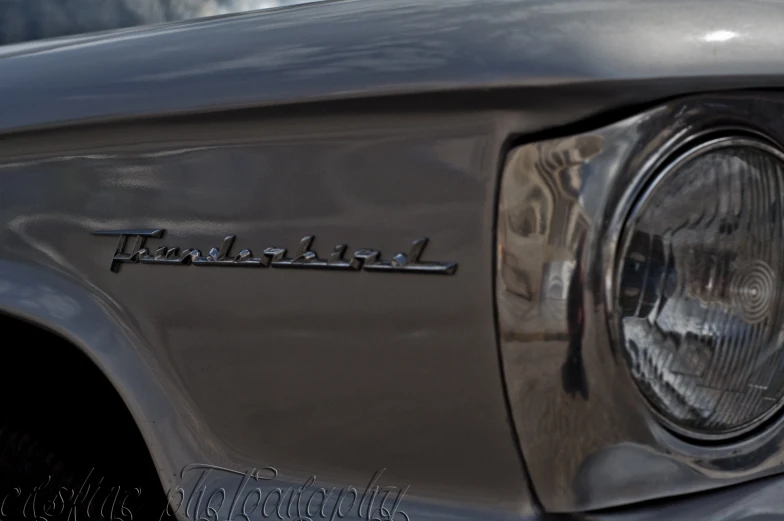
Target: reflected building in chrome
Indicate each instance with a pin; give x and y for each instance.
(541, 228)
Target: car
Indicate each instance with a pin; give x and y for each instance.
(500, 260)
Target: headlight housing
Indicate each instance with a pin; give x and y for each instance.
(640, 309)
(699, 289)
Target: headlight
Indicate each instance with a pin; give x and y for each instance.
(699, 289)
(640, 300)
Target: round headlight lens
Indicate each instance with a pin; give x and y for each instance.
(699, 289)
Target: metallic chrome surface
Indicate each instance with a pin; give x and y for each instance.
(575, 57)
(304, 257)
(335, 374)
(588, 438)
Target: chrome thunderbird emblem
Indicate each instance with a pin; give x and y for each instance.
(304, 258)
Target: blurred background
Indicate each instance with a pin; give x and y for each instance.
(27, 20)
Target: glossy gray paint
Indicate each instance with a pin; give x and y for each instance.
(26, 20)
(758, 501)
(313, 372)
(568, 58)
(207, 128)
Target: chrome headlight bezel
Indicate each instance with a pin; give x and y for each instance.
(598, 443)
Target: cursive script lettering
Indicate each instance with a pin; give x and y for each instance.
(223, 494)
(304, 257)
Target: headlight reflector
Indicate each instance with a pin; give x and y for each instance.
(699, 289)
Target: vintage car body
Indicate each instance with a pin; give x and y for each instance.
(369, 124)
